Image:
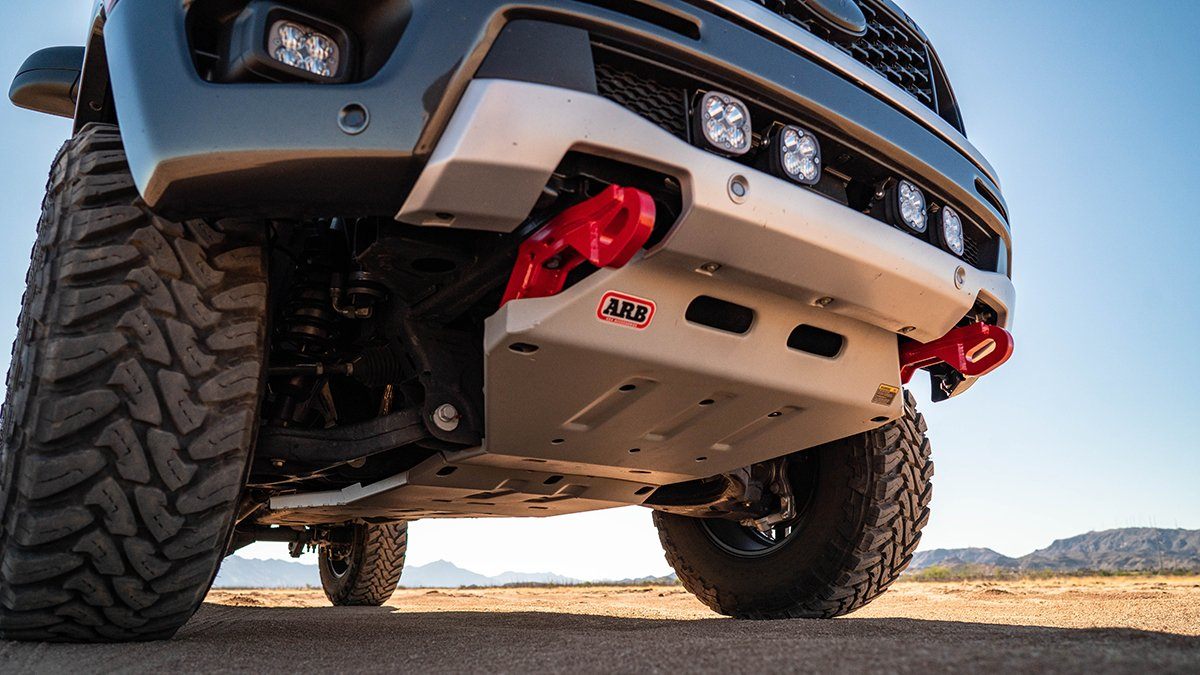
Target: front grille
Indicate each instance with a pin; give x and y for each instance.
(660, 103)
(662, 96)
(889, 48)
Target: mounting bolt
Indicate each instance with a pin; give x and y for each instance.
(709, 268)
(278, 464)
(908, 329)
(446, 417)
(960, 277)
(738, 188)
(823, 302)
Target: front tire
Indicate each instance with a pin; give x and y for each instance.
(365, 572)
(132, 405)
(865, 503)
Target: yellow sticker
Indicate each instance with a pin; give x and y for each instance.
(885, 394)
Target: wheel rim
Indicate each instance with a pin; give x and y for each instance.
(749, 542)
(339, 568)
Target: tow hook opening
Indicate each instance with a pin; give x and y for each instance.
(966, 352)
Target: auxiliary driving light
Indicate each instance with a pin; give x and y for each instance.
(906, 206)
(724, 121)
(952, 231)
(275, 42)
(796, 155)
(302, 47)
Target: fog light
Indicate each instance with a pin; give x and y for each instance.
(952, 231)
(797, 155)
(269, 41)
(302, 47)
(724, 121)
(906, 206)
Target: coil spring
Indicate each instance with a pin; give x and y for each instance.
(307, 327)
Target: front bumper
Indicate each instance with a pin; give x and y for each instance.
(201, 148)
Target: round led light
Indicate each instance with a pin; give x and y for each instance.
(724, 122)
(910, 203)
(952, 231)
(798, 155)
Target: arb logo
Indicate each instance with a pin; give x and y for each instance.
(625, 310)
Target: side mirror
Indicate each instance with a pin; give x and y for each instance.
(48, 81)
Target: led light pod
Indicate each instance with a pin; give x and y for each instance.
(796, 155)
(906, 206)
(303, 47)
(724, 123)
(952, 231)
(274, 42)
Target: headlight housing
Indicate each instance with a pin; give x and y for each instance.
(796, 155)
(271, 41)
(723, 121)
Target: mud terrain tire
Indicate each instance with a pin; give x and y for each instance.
(863, 521)
(370, 573)
(132, 405)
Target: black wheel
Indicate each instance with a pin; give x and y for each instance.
(861, 504)
(132, 404)
(365, 571)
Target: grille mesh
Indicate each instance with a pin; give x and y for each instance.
(889, 48)
(662, 104)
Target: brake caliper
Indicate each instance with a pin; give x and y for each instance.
(606, 231)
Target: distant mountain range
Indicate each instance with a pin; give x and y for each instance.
(1129, 549)
(237, 572)
(1141, 549)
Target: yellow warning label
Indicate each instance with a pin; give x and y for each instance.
(885, 394)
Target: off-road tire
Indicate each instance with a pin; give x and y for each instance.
(369, 576)
(857, 534)
(132, 405)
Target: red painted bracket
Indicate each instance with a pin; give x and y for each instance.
(606, 230)
(972, 350)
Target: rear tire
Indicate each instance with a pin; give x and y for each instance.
(132, 404)
(867, 500)
(365, 573)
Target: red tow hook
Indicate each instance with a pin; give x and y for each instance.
(972, 350)
(606, 230)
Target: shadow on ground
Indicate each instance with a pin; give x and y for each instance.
(257, 639)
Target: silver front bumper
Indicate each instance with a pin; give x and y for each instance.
(506, 139)
(617, 410)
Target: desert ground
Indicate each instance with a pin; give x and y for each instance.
(1093, 625)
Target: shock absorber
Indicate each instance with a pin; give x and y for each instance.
(306, 329)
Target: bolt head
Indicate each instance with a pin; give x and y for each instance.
(446, 417)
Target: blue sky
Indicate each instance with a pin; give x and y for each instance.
(1088, 111)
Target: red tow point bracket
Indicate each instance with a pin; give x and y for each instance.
(972, 350)
(606, 230)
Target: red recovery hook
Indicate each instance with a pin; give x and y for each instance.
(972, 350)
(606, 230)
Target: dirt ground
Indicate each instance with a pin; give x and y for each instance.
(1142, 625)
